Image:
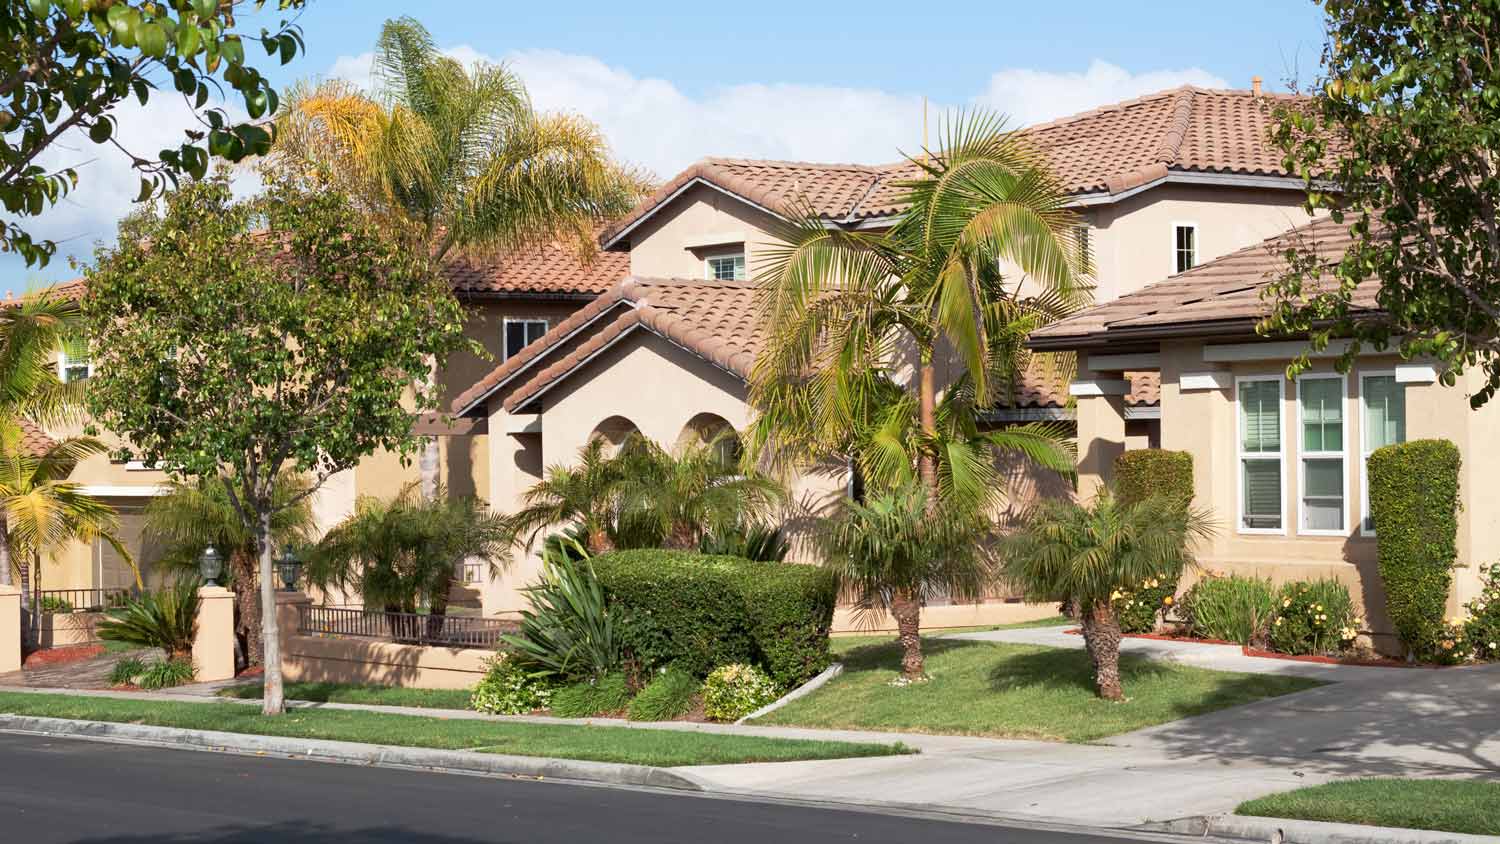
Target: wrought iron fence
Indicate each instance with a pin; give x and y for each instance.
(403, 627)
(80, 600)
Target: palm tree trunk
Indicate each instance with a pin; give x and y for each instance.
(29, 611)
(599, 541)
(437, 605)
(273, 701)
(247, 627)
(907, 610)
(684, 537)
(927, 410)
(1101, 633)
(5, 563)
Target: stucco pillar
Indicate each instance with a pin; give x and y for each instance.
(289, 607)
(1101, 430)
(213, 643)
(10, 629)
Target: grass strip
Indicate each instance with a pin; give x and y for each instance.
(362, 694)
(1005, 690)
(1463, 806)
(662, 748)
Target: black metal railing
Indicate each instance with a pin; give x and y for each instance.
(404, 627)
(61, 601)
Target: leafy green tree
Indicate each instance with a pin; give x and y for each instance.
(585, 495)
(1398, 143)
(698, 490)
(242, 339)
(68, 64)
(1086, 553)
(847, 313)
(197, 512)
(898, 550)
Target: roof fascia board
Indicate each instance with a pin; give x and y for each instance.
(484, 397)
(1241, 180)
(688, 185)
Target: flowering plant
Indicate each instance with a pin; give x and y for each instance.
(733, 691)
(1483, 627)
(509, 689)
(1140, 608)
(1314, 617)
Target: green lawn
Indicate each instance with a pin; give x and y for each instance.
(1464, 806)
(352, 693)
(664, 748)
(843, 644)
(1016, 691)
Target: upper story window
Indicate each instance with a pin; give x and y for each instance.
(1085, 244)
(1185, 246)
(73, 362)
(520, 333)
(1322, 503)
(724, 267)
(1382, 403)
(1260, 453)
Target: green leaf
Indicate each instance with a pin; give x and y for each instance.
(255, 103)
(188, 41)
(38, 7)
(152, 39)
(205, 8)
(147, 188)
(232, 50)
(101, 130)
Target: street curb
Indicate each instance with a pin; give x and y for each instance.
(379, 755)
(807, 688)
(1309, 832)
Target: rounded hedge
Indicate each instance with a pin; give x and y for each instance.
(698, 612)
(1414, 502)
(1142, 473)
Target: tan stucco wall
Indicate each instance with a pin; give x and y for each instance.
(660, 246)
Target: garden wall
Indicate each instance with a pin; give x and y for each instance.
(61, 630)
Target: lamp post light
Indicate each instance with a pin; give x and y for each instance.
(288, 569)
(210, 565)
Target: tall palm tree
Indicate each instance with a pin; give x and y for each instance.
(696, 491)
(585, 495)
(1085, 553)
(460, 151)
(847, 313)
(897, 551)
(195, 514)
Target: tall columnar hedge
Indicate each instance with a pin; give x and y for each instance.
(1414, 502)
(699, 612)
(1145, 472)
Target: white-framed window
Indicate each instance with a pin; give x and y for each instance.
(1322, 476)
(1184, 246)
(1382, 422)
(1085, 243)
(729, 267)
(1258, 400)
(520, 333)
(73, 360)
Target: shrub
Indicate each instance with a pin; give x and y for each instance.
(1414, 502)
(165, 619)
(1234, 609)
(1314, 617)
(605, 696)
(569, 632)
(1140, 609)
(1483, 626)
(697, 612)
(56, 604)
(734, 691)
(509, 689)
(125, 671)
(751, 542)
(667, 696)
(166, 673)
(1138, 475)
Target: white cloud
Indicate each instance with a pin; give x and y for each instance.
(1034, 96)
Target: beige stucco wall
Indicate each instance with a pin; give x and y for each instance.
(660, 247)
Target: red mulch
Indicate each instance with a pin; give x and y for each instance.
(252, 671)
(61, 656)
(1363, 661)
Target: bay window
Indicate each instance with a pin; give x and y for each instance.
(1260, 453)
(1320, 405)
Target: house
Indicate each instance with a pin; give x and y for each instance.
(1280, 462)
(657, 335)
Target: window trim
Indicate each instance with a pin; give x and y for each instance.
(1364, 458)
(62, 366)
(1197, 247)
(1303, 454)
(1240, 455)
(708, 272)
(505, 325)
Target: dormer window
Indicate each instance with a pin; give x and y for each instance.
(730, 267)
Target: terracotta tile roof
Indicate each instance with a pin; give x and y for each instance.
(1040, 390)
(1105, 150)
(34, 441)
(62, 290)
(553, 269)
(1222, 295)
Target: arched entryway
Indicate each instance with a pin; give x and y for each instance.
(711, 429)
(614, 431)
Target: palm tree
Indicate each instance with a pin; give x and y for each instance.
(898, 551)
(460, 151)
(847, 312)
(195, 514)
(1085, 553)
(44, 512)
(585, 495)
(696, 491)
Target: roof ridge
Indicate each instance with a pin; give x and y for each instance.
(773, 162)
(1182, 116)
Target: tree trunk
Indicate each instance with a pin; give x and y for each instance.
(599, 541)
(927, 410)
(683, 537)
(5, 563)
(31, 610)
(437, 605)
(1101, 631)
(907, 610)
(273, 702)
(247, 626)
(428, 462)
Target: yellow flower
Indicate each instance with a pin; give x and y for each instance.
(1167, 600)
(1287, 602)
(1447, 644)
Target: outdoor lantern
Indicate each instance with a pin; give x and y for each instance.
(288, 569)
(210, 565)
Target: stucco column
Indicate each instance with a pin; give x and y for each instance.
(10, 629)
(1101, 430)
(213, 643)
(288, 617)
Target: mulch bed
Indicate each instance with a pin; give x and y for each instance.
(1361, 661)
(252, 671)
(62, 656)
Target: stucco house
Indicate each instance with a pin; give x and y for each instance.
(1280, 462)
(658, 334)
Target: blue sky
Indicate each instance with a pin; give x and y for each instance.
(672, 82)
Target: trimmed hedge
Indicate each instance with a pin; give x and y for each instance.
(1414, 502)
(1142, 473)
(698, 612)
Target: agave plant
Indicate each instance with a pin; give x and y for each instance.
(569, 631)
(165, 619)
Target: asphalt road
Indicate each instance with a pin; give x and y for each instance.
(70, 790)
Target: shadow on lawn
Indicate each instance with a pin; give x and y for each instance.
(1056, 670)
(300, 832)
